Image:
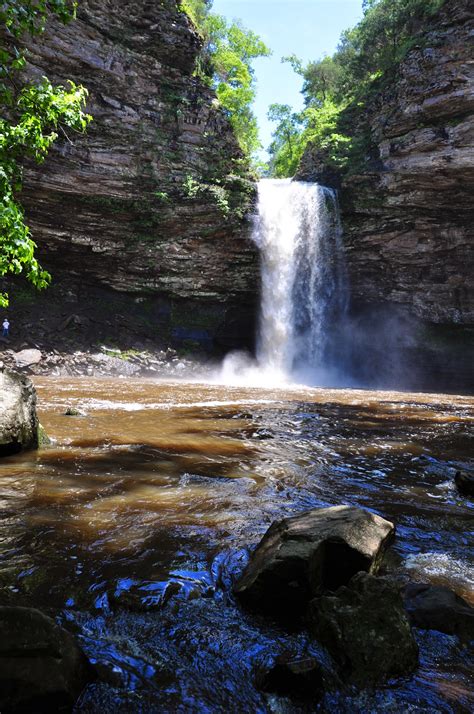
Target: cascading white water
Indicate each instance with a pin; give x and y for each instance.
(304, 289)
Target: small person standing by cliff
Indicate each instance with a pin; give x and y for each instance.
(6, 327)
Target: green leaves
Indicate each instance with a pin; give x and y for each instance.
(36, 114)
(232, 48)
(287, 147)
(218, 194)
(29, 16)
(226, 60)
(366, 59)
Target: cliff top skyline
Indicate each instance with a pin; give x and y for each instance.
(308, 28)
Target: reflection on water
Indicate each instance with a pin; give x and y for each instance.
(133, 524)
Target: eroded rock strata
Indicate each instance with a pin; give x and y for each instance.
(144, 216)
(408, 215)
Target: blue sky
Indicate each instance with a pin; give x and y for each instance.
(307, 28)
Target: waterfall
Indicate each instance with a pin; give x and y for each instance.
(304, 286)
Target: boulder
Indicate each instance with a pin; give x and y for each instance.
(305, 555)
(433, 607)
(25, 358)
(298, 678)
(42, 669)
(464, 483)
(18, 420)
(72, 411)
(365, 628)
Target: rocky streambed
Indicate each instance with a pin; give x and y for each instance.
(143, 530)
(104, 361)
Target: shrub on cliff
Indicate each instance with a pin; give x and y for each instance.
(32, 116)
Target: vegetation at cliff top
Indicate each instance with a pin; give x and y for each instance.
(226, 64)
(363, 65)
(32, 114)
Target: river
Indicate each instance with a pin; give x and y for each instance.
(132, 525)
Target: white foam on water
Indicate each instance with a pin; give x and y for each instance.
(105, 404)
(442, 565)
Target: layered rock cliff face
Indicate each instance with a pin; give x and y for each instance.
(142, 220)
(409, 215)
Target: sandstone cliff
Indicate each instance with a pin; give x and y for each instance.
(142, 220)
(409, 216)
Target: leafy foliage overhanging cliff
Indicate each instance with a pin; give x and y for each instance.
(36, 113)
(335, 87)
(225, 63)
(32, 114)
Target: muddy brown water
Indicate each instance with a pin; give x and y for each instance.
(131, 527)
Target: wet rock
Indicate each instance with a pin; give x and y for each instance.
(72, 411)
(365, 628)
(263, 434)
(311, 553)
(300, 678)
(18, 420)
(42, 669)
(464, 483)
(43, 438)
(433, 607)
(117, 365)
(25, 358)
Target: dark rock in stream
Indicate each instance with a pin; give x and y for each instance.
(18, 420)
(42, 669)
(300, 678)
(433, 607)
(464, 483)
(71, 411)
(303, 556)
(366, 630)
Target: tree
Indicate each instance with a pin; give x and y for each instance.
(285, 150)
(197, 10)
(340, 87)
(32, 116)
(321, 80)
(226, 62)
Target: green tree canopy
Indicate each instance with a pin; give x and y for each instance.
(32, 114)
(226, 62)
(366, 60)
(285, 149)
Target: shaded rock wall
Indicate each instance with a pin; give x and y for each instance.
(408, 215)
(410, 222)
(111, 210)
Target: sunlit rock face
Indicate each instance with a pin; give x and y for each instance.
(408, 217)
(112, 210)
(18, 420)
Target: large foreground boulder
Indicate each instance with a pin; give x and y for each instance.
(434, 607)
(365, 628)
(18, 420)
(42, 669)
(303, 556)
